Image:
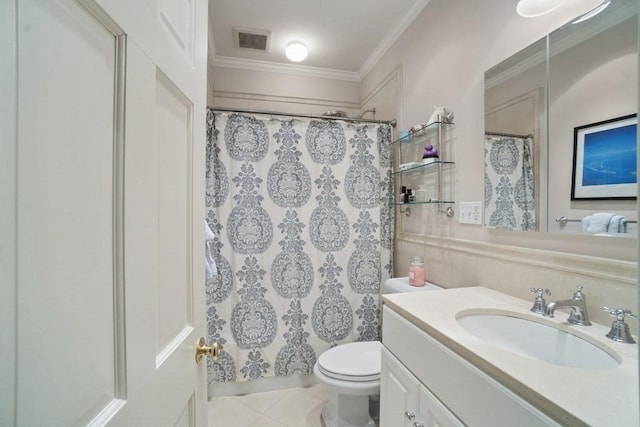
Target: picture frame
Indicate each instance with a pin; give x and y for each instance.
(604, 160)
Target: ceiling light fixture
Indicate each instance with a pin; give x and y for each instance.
(534, 8)
(593, 12)
(296, 51)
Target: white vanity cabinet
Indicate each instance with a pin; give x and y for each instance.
(423, 377)
(406, 402)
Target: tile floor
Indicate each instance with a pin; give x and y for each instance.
(297, 407)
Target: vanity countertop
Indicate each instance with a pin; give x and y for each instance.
(572, 396)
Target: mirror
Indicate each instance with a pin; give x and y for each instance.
(514, 123)
(583, 178)
(593, 82)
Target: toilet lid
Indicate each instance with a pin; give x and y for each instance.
(356, 361)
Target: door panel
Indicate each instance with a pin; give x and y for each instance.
(398, 393)
(187, 416)
(8, 215)
(66, 209)
(109, 192)
(164, 213)
(174, 287)
(178, 17)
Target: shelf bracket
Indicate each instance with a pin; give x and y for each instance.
(406, 211)
(449, 212)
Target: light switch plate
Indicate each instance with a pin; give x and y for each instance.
(470, 213)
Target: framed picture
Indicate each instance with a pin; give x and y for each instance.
(604, 160)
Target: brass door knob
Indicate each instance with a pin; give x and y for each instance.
(213, 351)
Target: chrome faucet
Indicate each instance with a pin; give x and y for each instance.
(619, 329)
(539, 304)
(578, 306)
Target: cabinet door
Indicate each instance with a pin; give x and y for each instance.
(433, 413)
(399, 391)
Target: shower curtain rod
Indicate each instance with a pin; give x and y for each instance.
(393, 122)
(509, 135)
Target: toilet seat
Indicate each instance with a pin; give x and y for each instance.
(356, 361)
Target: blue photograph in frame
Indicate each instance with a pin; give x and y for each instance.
(604, 160)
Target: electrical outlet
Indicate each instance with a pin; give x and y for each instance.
(470, 213)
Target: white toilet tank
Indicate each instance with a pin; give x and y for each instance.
(401, 284)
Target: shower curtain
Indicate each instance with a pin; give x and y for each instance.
(509, 196)
(302, 222)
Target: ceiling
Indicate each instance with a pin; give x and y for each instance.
(343, 36)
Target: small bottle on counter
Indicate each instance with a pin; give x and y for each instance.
(417, 272)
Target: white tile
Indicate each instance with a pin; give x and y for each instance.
(314, 420)
(265, 421)
(281, 408)
(227, 411)
(313, 416)
(318, 390)
(262, 402)
(299, 407)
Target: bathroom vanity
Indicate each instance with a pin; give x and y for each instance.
(435, 371)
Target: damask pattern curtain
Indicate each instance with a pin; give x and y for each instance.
(303, 230)
(509, 196)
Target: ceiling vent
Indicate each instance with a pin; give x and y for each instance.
(248, 38)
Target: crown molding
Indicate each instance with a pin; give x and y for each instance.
(391, 37)
(522, 66)
(296, 70)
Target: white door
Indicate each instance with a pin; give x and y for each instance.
(102, 212)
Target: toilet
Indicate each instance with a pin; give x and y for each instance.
(351, 372)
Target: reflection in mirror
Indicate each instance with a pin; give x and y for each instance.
(593, 79)
(515, 140)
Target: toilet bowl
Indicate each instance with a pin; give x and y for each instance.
(351, 373)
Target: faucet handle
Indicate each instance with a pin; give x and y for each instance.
(540, 291)
(539, 303)
(619, 313)
(578, 295)
(619, 329)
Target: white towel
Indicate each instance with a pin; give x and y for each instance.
(616, 224)
(209, 263)
(208, 234)
(596, 223)
(623, 225)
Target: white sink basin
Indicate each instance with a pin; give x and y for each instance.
(531, 338)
